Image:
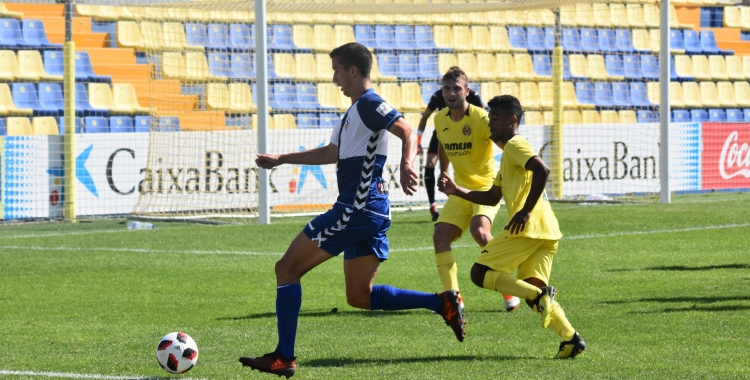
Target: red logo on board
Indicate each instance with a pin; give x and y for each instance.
(726, 156)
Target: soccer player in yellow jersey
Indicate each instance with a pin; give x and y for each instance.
(464, 141)
(528, 242)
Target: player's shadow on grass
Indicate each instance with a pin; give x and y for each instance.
(680, 299)
(329, 313)
(342, 362)
(695, 308)
(697, 304)
(686, 268)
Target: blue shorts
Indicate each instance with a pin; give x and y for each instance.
(362, 234)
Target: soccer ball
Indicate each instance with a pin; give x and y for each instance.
(177, 352)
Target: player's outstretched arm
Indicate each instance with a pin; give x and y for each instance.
(488, 197)
(319, 156)
(540, 173)
(408, 138)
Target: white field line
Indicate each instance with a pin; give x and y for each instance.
(53, 234)
(66, 375)
(413, 249)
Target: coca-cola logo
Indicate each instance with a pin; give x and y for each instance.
(735, 158)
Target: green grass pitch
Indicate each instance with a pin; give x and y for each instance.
(657, 291)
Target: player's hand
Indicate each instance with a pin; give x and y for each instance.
(419, 144)
(446, 185)
(419, 149)
(408, 179)
(518, 222)
(267, 161)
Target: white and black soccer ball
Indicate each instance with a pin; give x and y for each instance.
(177, 352)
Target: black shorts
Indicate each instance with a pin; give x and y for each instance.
(433, 149)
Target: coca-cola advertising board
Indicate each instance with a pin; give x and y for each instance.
(726, 156)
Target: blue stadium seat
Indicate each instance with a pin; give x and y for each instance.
(603, 95)
(405, 37)
(34, 34)
(517, 37)
(385, 37)
(269, 67)
(647, 116)
(241, 37)
(681, 116)
(11, 36)
(408, 67)
(3, 131)
(535, 40)
(650, 67)
(698, 116)
(84, 70)
(95, 124)
(53, 62)
(632, 67)
(571, 41)
(51, 97)
(607, 42)
(428, 66)
(692, 42)
(365, 35)
(613, 65)
(219, 64)
(388, 64)
(734, 116)
(196, 34)
(717, 116)
(83, 107)
(621, 95)
(307, 121)
(589, 42)
(142, 124)
(282, 96)
(218, 37)
(328, 120)
(121, 124)
(624, 41)
(423, 37)
(25, 96)
(242, 67)
(676, 40)
(585, 93)
(639, 95)
(429, 88)
(549, 38)
(746, 115)
(169, 124)
(307, 97)
(709, 45)
(77, 122)
(542, 65)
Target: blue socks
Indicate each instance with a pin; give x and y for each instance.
(288, 303)
(384, 297)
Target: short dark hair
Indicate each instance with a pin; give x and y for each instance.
(455, 73)
(507, 103)
(354, 54)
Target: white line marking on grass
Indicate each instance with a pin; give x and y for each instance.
(66, 375)
(53, 234)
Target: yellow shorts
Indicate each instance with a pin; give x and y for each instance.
(532, 257)
(459, 212)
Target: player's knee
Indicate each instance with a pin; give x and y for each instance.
(481, 236)
(285, 271)
(477, 274)
(359, 300)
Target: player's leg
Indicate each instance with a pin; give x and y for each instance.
(429, 175)
(455, 218)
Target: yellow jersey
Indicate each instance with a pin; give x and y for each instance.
(515, 182)
(468, 146)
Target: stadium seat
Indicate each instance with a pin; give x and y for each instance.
(284, 121)
(542, 66)
(709, 95)
(708, 44)
(631, 67)
(34, 34)
(307, 121)
(590, 117)
(428, 66)
(51, 98)
(681, 116)
(649, 67)
(306, 69)
(653, 91)
(692, 95)
(676, 41)
(614, 65)
(142, 124)
(404, 37)
(329, 96)
(572, 117)
(423, 37)
(567, 16)
(344, 34)
(242, 67)
(411, 97)
(627, 117)
(307, 97)
(734, 67)
(100, 96)
(701, 71)
(196, 68)
(11, 36)
(241, 37)
(524, 68)
(240, 99)
(652, 16)
(323, 64)
(376, 75)
(19, 126)
(385, 37)
(607, 40)
(480, 38)
(168, 124)
(172, 65)
(175, 38)
(500, 41)
(302, 36)
(734, 116)
(31, 67)
(25, 96)
(536, 40)
(618, 15)
(609, 117)
(488, 89)
(129, 35)
(328, 120)
(621, 95)
(641, 40)
(443, 37)
(683, 66)
(570, 99)
(589, 42)
(624, 42)
(727, 97)
(602, 16)
(468, 63)
(546, 95)
(7, 104)
(365, 35)
(77, 125)
(461, 38)
(597, 68)
(446, 61)
(510, 88)
(639, 96)
(676, 96)
(196, 34)
(717, 116)
(95, 124)
(219, 64)
(5, 13)
(392, 92)
(325, 38)
(388, 65)
(585, 93)
(732, 17)
(578, 66)
(9, 66)
(282, 97)
(636, 17)
(517, 38)
(85, 71)
(742, 94)
(125, 98)
(571, 41)
(532, 118)
(121, 124)
(584, 15)
(45, 126)
(408, 66)
(429, 88)
(644, 116)
(152, 35)
(218, 38)
(529, 95)
(692, 42)
(505, 67)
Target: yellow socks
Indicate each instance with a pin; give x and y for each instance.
(507, 284)
(560, 324)
(447, 270)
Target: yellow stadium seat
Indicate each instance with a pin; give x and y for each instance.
(283, 65)
(525, 68)
(324, 64)
(578, 65)
(676, 96)
(461, 38)
(196, 68)
(618, 15)
(529, 95)
(5, 13)
(516, 17)
(742, 93)
(568, 16)
(496, 18)
(478, 18)
(700, 68)
(392, 93)
(240, 98)
(100, 96)
(533, 118)
(480, 38)
(585, 16)
(329, 95)
(175, 38)
(653, 92)
(343, 34)
(152, 35)
(446, 61)
(324, 38)
(546, 95)
(376, 75)
(734, 67)
(284, 121)
(499, 40)
(745, 17)
(651, 15)
(489, 90)
(641, 40)
(709, 95)
(305, 66)
(8, 65)
(220, 16)
(411, 97)
(692, 95)
(609, 117)
(548, 117)
(468, 63)
(302, 36)
(635, 15)
(107, 13)
(443, 36)
(628, 117)
(509, 88)
(217, 96)
(546, 15)
(486, 67)
(718, 67)
(31, 67)
(602, 17)
(683, 66)
(727, 96)
(125, 97)
(83, 10)
(505, 67)
(129, 35)
(44, 126)
(7, 107)
(572, 117)
(590, 117)
(732, 17)
(19, 126)
(179, 14)
(173, 65)
(746, 65)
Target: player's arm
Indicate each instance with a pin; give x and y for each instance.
(443, 159)
(540, 174)
(422, 125)
(319, 156)
(408, 138)
(489, 197)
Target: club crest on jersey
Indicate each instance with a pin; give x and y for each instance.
(384, 109)
(467, 130)
(346, 124)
